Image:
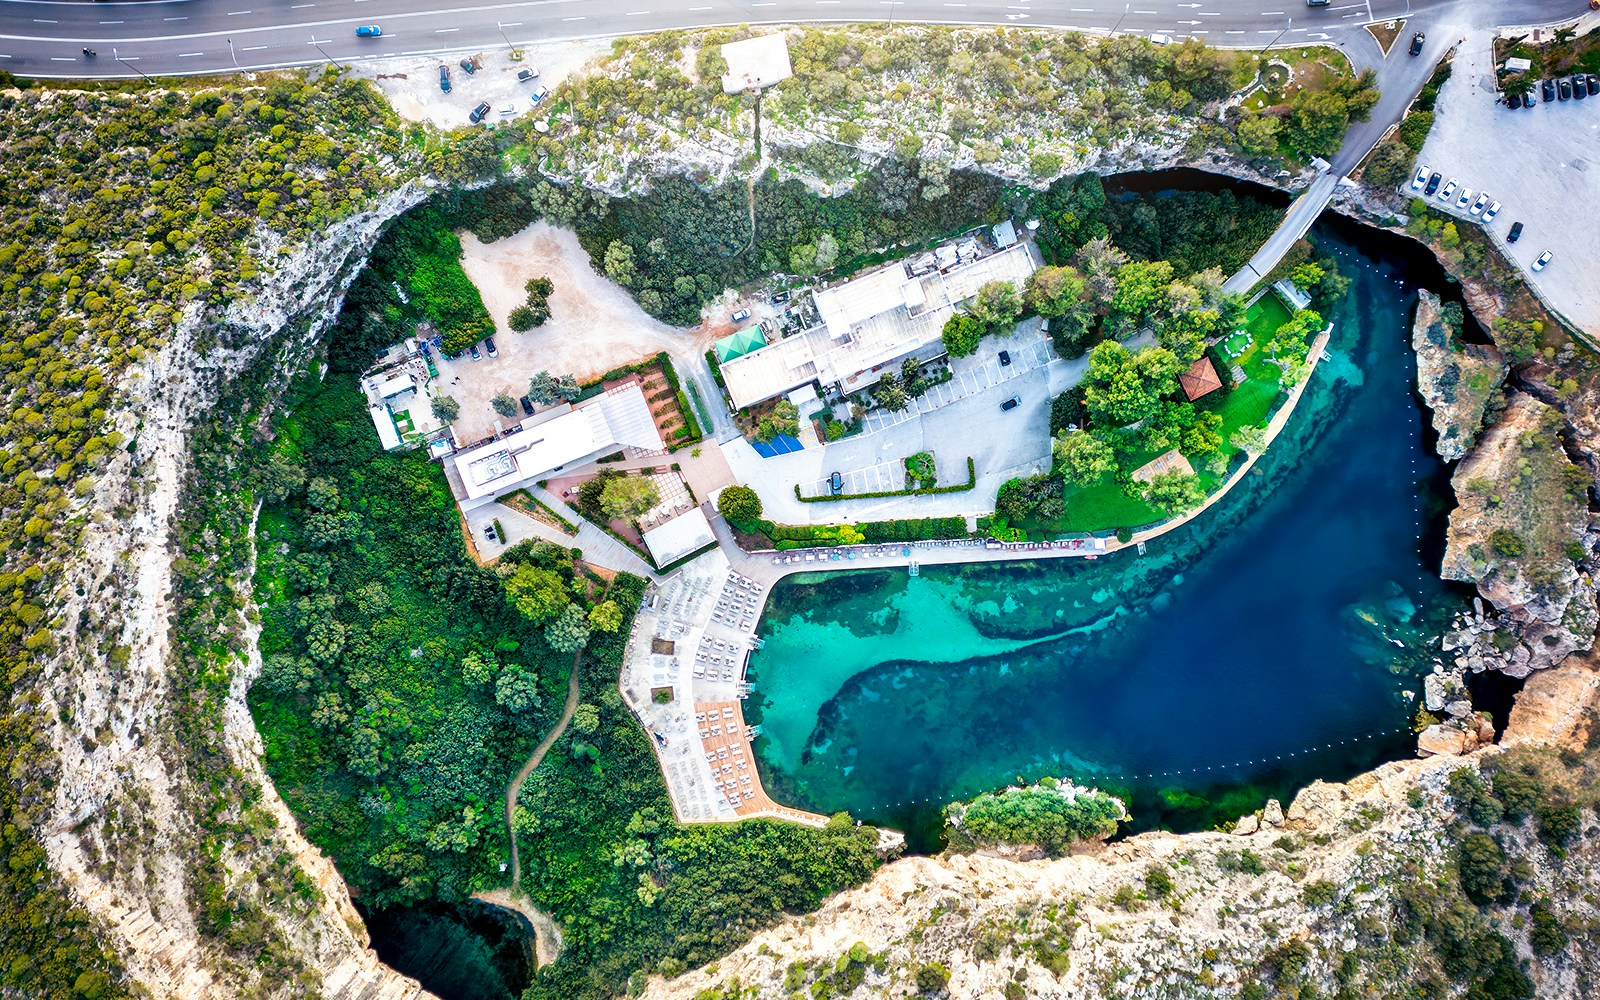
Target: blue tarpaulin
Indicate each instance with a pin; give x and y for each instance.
(783, 444)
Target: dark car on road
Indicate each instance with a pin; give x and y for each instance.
(1005, 358)
(836, 484)
(1513, 101)
(527, 406)
(1548, 88)
(1433, 184)
(474, 351)
(526, 74)
(1515, 234)
(479, 111)
(1579, 91)
(488, 342)
(1565, 87)
(1591, 83)
(444, 78)
(1416, 43)
(1011, 404)
(467, 67)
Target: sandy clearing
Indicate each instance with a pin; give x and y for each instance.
(594, 324)
(411, 84)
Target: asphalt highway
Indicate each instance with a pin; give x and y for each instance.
(45, 38)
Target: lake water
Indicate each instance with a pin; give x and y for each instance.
(1273, 640)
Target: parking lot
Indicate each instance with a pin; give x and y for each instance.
(1542, 164)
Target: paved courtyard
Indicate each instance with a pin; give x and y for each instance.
(1542, 165)
(963, 420)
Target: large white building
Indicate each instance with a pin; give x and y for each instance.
(556, 439)
(869, 324)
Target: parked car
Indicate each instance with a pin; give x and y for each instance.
(1416, 43)
(1005, 358)
(1592, 85)
(474, 351)
(836, 484)
(1316, 3)
(1513, 101)
(1449, 189)
(741, 315)
(479, 111)
(1564, 87)
(489, 343)
(1433, 183)
(1579, 91)
(527, 406)
(1420, 180)
(1479, 205)
(1544, 259)
(1515, 234)
(444, 78)
(467, 67)
(539, 94)
(1492, 211)
(526, 74)
(1465, 199)
(1548, 89)
(368, 31)
(780, 298)
(1011, 404)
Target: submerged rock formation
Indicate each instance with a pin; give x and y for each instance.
(1520, 533)
(1459, 382)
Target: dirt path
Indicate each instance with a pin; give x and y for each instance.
(533, 762)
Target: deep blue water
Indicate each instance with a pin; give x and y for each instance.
(1271, 641)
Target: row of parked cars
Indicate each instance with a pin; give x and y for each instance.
(1483, 208)
(1574, 87)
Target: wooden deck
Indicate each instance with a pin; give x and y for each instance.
(725, 742)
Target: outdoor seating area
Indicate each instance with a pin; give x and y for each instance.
(725, 741)
(739, 604)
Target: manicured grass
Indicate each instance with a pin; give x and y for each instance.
(1095, 508)
(1263, 319)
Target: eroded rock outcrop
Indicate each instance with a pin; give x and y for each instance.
(1520, 533)
(1460, 382)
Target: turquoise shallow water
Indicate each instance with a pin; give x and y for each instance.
(1271, 641)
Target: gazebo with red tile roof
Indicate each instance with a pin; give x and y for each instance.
(1200, 379)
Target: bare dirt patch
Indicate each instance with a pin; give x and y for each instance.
(412, 84)
(594, 325)
(1386, 32)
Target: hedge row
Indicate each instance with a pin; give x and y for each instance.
(972, 480)
(873, 532)
(716, 368)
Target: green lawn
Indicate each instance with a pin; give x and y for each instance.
(1094, 508)
(1262, 320)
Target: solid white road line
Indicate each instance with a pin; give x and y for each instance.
(254, 48)
(189, 55)
(236, 13)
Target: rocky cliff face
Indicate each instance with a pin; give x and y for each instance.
(1301, 887)
(1521, 532)
(1459, 382)
(125, 830)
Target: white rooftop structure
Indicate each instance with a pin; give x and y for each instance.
(619, 418)
(388, 435)
(672, 540)
(756, 63)
(872, 322)
(1005, 234)
(396, 384)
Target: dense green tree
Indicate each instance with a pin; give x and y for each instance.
(522, 318)
(1388, 166)
(1122, 386)
(445, 408)
(1045, 814)
(1258, 134)
(517, 690)
(1054, 291)
(1174, 491)
(739, 504)
(537, 593)
(1082, 458)
(1251, 439)
(626, 498)
(961, 335)
(619, 264)
(996, 306)
(504, 405)
(547, 389)
(606, 616)
(890, 394)
(569, 631)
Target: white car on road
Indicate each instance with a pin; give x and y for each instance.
(1465, 199)
(1448, 189)
(1544, 259)
(1478, 206)
(1490, 212)
(1421, 179)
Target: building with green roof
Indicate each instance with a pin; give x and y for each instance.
(739, 344)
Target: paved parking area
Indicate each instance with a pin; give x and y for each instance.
(972, 375)
(1542, 165)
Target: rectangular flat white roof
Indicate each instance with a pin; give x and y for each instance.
(395, 385)
(619, 418)
(868, 323)
(388, 435)
(678, 537)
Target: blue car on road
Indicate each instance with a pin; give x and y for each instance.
(368, 31)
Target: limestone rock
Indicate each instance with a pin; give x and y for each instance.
(1458, 381)
(1272, 813)
(1246, 826)
(1448, 740)
(1517, 525)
